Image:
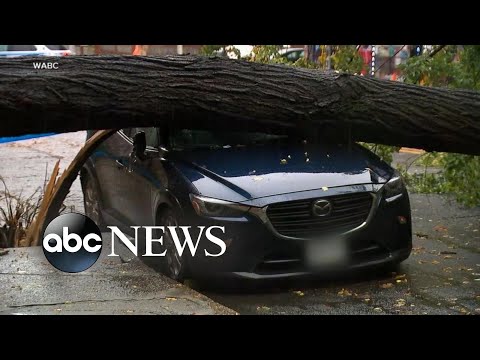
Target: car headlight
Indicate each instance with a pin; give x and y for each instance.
(211, 207)
(393, 189)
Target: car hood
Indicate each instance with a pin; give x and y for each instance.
(246, 173)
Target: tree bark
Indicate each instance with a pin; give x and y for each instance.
(102, 92)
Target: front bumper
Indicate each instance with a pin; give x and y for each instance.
(255, 252)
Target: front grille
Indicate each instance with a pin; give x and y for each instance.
(296, 219)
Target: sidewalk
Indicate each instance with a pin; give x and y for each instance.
(114, 285)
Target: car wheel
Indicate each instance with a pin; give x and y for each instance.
(91, 202)
(174, 265)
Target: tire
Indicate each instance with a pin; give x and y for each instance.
(173, 265)
(92, 202)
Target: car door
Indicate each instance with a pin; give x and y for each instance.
(110, 160)
(141, 181)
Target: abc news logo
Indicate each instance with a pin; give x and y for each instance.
(73, 242)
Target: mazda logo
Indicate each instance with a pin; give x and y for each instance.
(321, 207)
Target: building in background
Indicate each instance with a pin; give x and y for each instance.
(128, 49)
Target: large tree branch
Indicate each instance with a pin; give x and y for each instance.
(101, 92)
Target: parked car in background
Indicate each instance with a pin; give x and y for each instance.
(33, 50)
(292, 54)
(289, 207)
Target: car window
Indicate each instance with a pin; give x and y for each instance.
(150, 134)
(295, 55)
(188, 138)
(21, 48)
(127, 132)
(57, 47)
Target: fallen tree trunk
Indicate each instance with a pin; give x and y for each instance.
(101, 92)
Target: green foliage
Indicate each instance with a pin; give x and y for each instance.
(454, 67)
(384, 152)
(220, 50)
(462, 177)
(346, 58)
(267, 54)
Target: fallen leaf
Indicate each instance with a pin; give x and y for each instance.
(440, 228)
(421, 261)
(299, 293)
(465, 282)
(448, 257)
(377, 309)
(386, 286)
(421, 235)
(265, 308)
(171, 299)
(344, 292)
(366, 300)
(130, 311)
(448, 253)
(435, 262)
(58, 309)
(402, 276)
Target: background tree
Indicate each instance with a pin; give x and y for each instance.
(455, 67)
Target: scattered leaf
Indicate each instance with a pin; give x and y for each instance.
(386, 286)
(299, 293)
(264, 308)
(378, 309)
(421, 235)
(440, 228)
(448, 257)
(435, 262)
(366, 300)
(129, 311)
(402, 276)
(344, 292)
(171, 299)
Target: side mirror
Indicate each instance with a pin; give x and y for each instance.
(139, 145)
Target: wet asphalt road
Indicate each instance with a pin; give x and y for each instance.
(442, 276)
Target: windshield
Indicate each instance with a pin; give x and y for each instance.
(57, 47)
(190, 139)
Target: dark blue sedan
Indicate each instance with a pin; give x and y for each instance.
(289, 207)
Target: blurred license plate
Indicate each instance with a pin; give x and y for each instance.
(326, 253)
